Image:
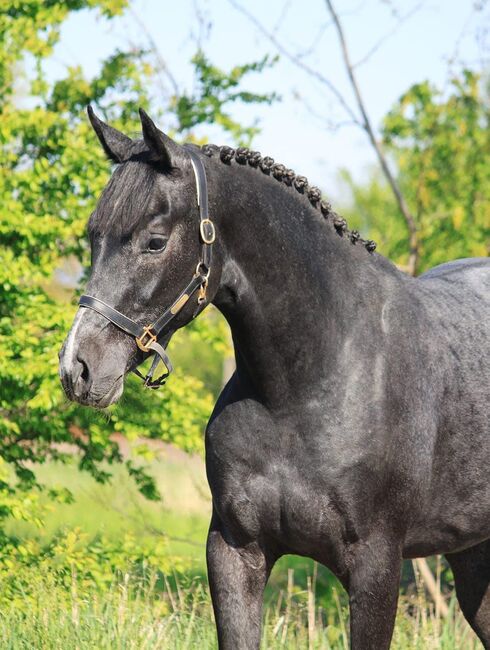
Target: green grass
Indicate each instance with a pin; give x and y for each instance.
(132, 616)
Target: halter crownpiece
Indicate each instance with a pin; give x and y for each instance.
(146, 336)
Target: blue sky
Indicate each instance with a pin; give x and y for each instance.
(434, 41)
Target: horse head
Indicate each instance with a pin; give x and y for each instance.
(151, 240)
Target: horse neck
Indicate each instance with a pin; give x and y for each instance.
(291, 288)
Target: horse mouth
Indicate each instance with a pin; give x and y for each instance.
(98, 399)
(112, 395)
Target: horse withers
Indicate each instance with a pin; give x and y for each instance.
(355, 429)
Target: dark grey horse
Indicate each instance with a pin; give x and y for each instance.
(355, 429)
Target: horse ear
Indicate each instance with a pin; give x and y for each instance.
(163, 147)
(116, 145)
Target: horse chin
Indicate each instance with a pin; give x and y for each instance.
(112, 395)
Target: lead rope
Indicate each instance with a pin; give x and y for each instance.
(146, 337)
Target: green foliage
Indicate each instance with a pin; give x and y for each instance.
(52, 170)
(116, 508)
(96, 562)
(373, 211)
(440, 145)
(216, 89)
(32, 27)
(47, 187)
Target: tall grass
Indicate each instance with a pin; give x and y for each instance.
(152, 614)
(305, 608)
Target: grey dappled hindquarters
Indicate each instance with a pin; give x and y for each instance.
(355, 429)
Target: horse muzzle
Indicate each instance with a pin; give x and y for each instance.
(92, 363)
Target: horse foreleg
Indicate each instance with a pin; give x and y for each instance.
(373, 584)
(237, 577)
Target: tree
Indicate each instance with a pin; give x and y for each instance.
(440, 144)
(53, 168)
(356, 113)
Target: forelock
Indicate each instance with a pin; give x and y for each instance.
(126, 197)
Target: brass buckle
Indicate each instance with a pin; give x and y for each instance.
(207, 237)
(201, 296)
(140, 340)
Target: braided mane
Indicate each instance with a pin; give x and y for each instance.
(242, 156)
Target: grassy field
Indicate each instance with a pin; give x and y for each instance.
(304, 605)
(130, 616)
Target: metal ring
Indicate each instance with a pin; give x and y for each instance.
(199, 272)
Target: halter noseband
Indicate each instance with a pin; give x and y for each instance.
(147, 335)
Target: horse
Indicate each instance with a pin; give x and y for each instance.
(355, 428)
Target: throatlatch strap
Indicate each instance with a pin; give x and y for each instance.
(174, 309)
(206, 226)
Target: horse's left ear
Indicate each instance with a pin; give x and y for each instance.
(165, 150)
(116, 145)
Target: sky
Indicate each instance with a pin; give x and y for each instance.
(307, 130)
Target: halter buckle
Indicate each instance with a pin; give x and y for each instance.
(146, 339)
(201, 296)
(208, 231)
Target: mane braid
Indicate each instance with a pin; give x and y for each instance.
(266, 164)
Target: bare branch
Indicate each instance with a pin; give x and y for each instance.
(421, 565)
(319, 116)
(364, 122)
(297, 62)
(314, 43)
(162, 65)
(367, 126)
(453, 57)
(388, 35)
(204, 25)
(284, 11)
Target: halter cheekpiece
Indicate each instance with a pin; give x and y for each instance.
(146, 336)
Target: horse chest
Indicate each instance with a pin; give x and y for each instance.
(266, 483)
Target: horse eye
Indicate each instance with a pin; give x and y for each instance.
(157, 244)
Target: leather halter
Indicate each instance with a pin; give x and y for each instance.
(147, 335)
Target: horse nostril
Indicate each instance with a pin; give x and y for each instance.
(84, 375)
(81, 379)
